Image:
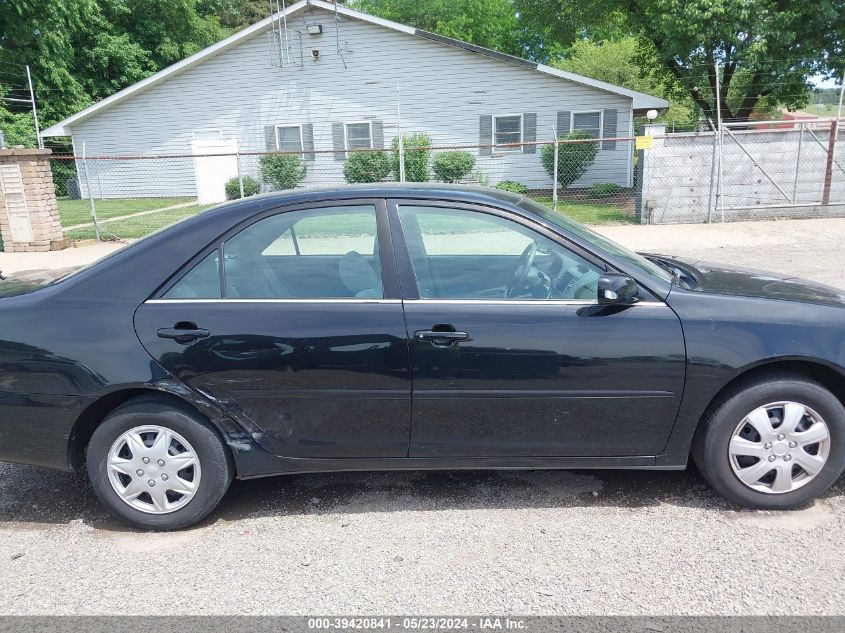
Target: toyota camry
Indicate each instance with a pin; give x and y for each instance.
(413, 327)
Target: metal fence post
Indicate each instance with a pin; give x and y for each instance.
(712, 172)
(90, 194)
(797, 161)
(828, 169)
(238, 166)
(554, 184)
(720, 194)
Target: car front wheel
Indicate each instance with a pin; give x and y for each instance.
(774, 443)
(158, 465)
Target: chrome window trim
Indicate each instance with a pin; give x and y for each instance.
(298, 300)
(353, 300)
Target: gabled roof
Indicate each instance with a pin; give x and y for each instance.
(641, 101)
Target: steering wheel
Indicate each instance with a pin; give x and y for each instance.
(526, 261)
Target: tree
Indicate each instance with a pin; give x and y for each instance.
(83, 50)
(767, 49)
(493, 24)
(631, 63)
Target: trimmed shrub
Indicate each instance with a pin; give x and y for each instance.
(604, 190)
(416, 159)
(282, 171)
(573, 158)
(233, 187)
(366, 167)
(513, 186)
(452, 166)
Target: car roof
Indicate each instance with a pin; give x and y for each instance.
(465, 193)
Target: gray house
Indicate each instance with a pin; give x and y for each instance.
(321, 79)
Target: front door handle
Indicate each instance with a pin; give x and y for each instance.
(441, 338)
(183, 332)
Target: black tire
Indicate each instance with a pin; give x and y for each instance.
(216, 463)
(710, 445)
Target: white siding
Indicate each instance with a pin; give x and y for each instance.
(444, 90)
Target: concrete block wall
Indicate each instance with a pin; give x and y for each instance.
(40, 201)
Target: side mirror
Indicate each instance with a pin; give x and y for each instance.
(617, 289)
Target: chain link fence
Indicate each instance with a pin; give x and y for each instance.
(126, 197)
(746, 171)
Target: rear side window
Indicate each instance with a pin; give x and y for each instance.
(330, 252)
(201, 282)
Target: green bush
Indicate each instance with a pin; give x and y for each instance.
(604, 190)
(416, 158)
(573, 158)
(282, 171)
(452, 166)
(233, 187)
(63, 172)
(513, 186)
(366, 167)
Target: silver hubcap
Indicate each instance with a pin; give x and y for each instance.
(153, 469)
(779, 447)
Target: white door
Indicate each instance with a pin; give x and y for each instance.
(215, 162)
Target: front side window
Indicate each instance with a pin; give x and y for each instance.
(508, 129)
(330, 252)
(289, 138)
(359, 136)
(587, 122)
(463, 254)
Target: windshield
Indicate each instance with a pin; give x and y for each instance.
(602, 242)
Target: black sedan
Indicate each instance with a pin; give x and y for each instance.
(413, 327)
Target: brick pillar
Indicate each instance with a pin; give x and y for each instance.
(29, 217)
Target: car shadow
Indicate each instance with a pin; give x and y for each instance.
(31, 497)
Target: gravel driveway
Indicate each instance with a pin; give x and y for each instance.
(585, 542)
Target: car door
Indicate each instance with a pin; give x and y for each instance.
(527, 371)
(294, 325)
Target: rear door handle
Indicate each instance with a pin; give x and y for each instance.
(183, 333)
(441, 339)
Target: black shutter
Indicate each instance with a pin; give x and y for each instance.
(529, 132)
(609, 129)
(485, 134)
(308, 141)
(338, 141)
(564, 118)
(270, 141)
(378, 134)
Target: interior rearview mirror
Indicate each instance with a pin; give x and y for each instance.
(617, 288)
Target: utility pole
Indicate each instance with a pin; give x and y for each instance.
(31, 102)
(35, 110)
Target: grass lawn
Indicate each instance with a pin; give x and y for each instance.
(131, 228)
(72, 212)
(589, 213)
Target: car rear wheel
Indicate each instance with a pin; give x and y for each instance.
(158, 465)
(774, 443)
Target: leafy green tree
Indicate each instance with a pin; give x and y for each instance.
(83, 50)
(493, 24)
(631, 63)
(770, 48)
